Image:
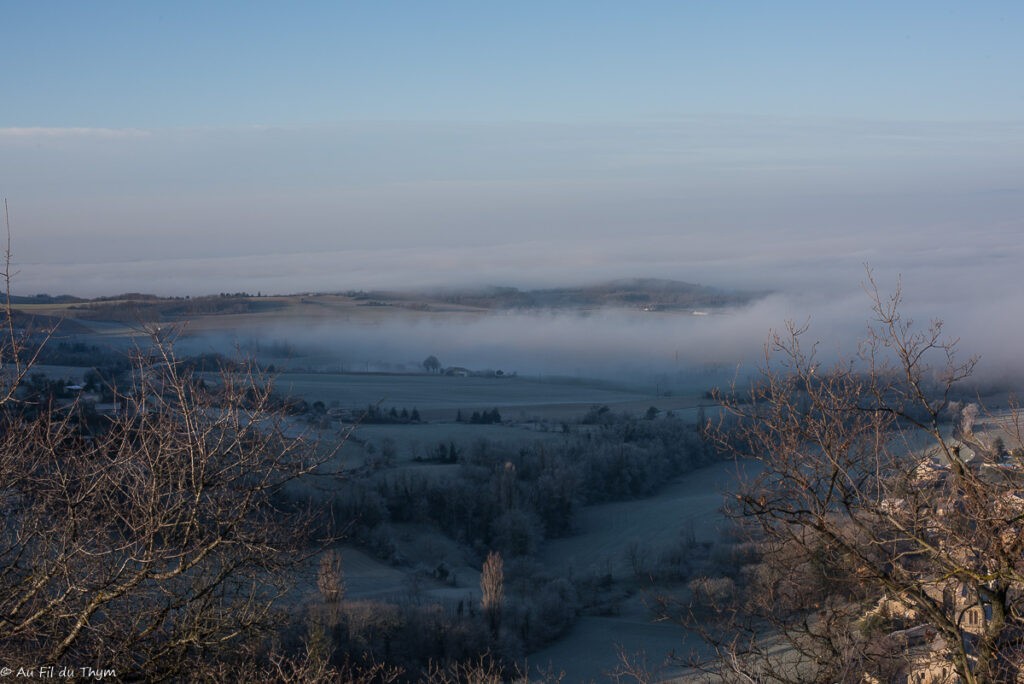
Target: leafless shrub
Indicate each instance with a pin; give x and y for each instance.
(638, 556)
(486, 669)
(303, 668)
(632, 668)
(371, 623)
(711, 595)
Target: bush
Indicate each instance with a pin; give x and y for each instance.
(710, 595)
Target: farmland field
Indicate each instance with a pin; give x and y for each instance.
(440, 397)
(433, 392)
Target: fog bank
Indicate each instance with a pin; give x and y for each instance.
(793, 206)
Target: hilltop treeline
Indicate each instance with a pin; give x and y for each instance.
(636, 292)
(631, 292)
(44, 298)
(133, 308)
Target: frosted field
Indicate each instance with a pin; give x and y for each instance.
(440, 392)
(441, 397)
(590, 650)
(605, 531)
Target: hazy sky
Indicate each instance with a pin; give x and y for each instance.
(192, 147)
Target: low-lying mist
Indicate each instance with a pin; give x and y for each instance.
(644, 349)
(957, 253)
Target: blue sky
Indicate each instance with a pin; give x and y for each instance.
(187, 64)
(374, 143)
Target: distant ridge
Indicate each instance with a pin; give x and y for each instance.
(644, 293)
(45, 299)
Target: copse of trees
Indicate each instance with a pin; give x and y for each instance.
(491, 417)
(513, 498)
(374, 414)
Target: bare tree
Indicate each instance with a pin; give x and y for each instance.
(330, 578)
(153, 542)
(16, 356)
(492, 586)
(888, 546)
